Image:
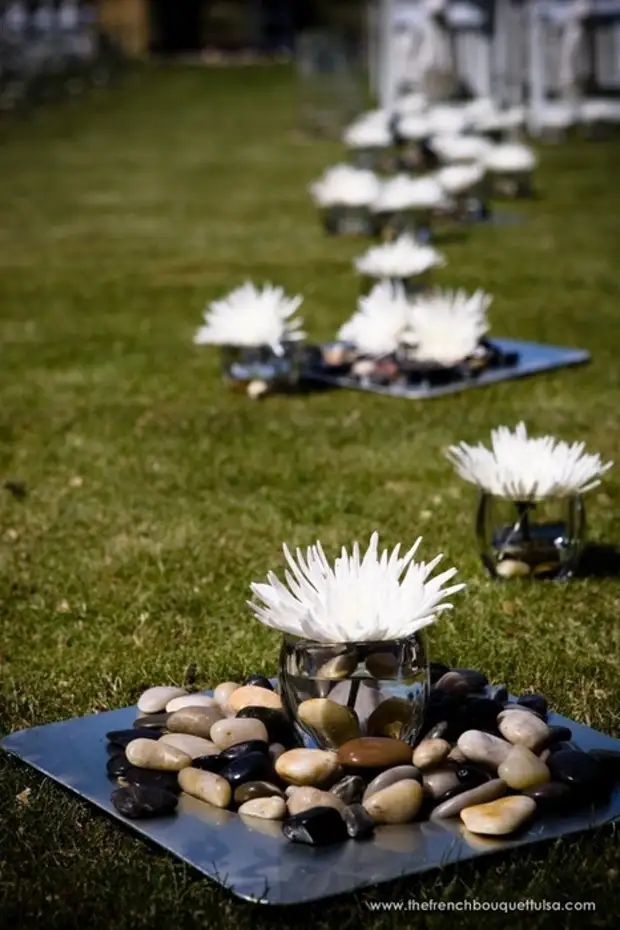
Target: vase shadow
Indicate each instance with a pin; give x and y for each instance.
(599, 560)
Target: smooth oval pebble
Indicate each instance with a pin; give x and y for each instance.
(140, 803)
(147, 754)
(190, 700)
(275, 751)
(390, 718)
(500, 817)
(253, 766)
(305, 798)
(438, 731)
(555, 797)
(242, 749)
(117, 765)
(273, 808)
(489, 791)
(439, 781)
(232, 730)
(360, 824)
(309, 767)
(382, 665)
(279, 727)
(151, 721)
(535, 702)
(559, 734)
(253, 696)
(333, 723)
(477, 680)
(436, 670)
(483, 748)
(521, 769)
(206, 786)
(398, 803)
(320, 826)
(455, 755)
(338, 668)
(365, 699)
(524, 729)
(252, 790)
(390, 777)
(453, 683)
(580, 770)
(196, 721)
(512, 568)
(374, 752)
(349, 789)
(154, 700)
(122, 738)
(259, 681)
(222, 695)
(194, 746)
(151, 778)
(430, 752)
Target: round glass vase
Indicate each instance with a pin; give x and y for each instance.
(245, 365)
(511, 185)
(413, 221)
(347, 220)
(335, 692)
(540, 539)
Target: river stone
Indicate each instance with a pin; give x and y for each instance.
(122, 738)
(210, 763)
(320, 826)
(154, 700)
(252, 790)
(390, 718)
(453, 683)
(511, 707)
(579, 770)
(253, 696)
(436, 670)
(206, 786)
(147, 754)
(476, 680)
(390, 777)
(197, 721)
(489, 791)
(151, 722)
(150, 778)
(521, 769)
(398, 803)
(222, 695)
(260, 681)
(242, 749)
(279, 727)
(559, 734)
(253, 766)
(483, 748)
(470, 776)
(524, 729)
(438, 731)
(374, 752)
(535, 702)
(117, 765)
(303, 799)
(315, 767)
(478, 713)
(273, 808)
(191, 700)
(499, 693)
(555, 797)
(333, 723)
(430, 752)
(338, 668)
(383, 665)
(139, 803)
(455, 755)
(275, 751)
(349, 789)
(232, 730)
(439, 781)
(367, 698)
(360, 824)
(608, 759)
(512, 568)
(194, 746)
(500, 817)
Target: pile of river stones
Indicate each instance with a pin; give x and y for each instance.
(493, 763)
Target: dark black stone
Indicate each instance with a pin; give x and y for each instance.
(259, 681)
(499, 693)
(319, 826)
(608, 759)
(453, 684)
(471, 776)
(478, 713)
(242, 749)
(579, 770)
(256, 789)
(152, 778)
(358, 821)
(349, 789)
(451, 793)
(563, 746)
(438, 731)
(122, 738)
(442, 706)
(147, 721)
(521, 708)
(213, 764)
(117, 765)
(477, 680)
(437, 670)
(254, 766)
(279, 727)
(559, 735)
(554, 797)
(536, 702)
(139, 803)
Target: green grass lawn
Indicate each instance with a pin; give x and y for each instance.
(154, 496)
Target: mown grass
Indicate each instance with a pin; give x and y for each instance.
(154, 496)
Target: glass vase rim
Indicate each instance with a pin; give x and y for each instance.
(292, 638)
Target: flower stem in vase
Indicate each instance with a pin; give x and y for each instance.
(353, 692)
(523, 509)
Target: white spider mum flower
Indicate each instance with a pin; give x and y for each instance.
(370, 131)
(377, 326)
(402, 258)
(500, 120)
(414, 127)
(454, 149)
(524, 468)
(406, 193)
(413, 102)
(445, 327)
(250, 316)
(449, 118)
(344, 185)
(372, 597)
(510, 157)
(457, 179)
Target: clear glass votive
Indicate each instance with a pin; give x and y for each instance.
(343, 220)
(242, 365)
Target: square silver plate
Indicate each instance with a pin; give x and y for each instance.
(534, 358)
(255, 861)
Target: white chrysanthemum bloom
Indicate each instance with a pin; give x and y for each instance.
(376, 328)
(510, 158)
(601, 110)
(523, 468)
(458, 149)
(250, 316)
(402, 258)
(344, 185)
(405, 193)
(370, 131)
(445, 327)
(374, 597)
(410, 103)
(500, 120)
(414, 127)
(457, 179)
(479, 107)
(447, 119)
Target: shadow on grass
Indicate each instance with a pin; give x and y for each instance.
(599, 560)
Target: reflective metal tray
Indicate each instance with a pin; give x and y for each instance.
(256, 862)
